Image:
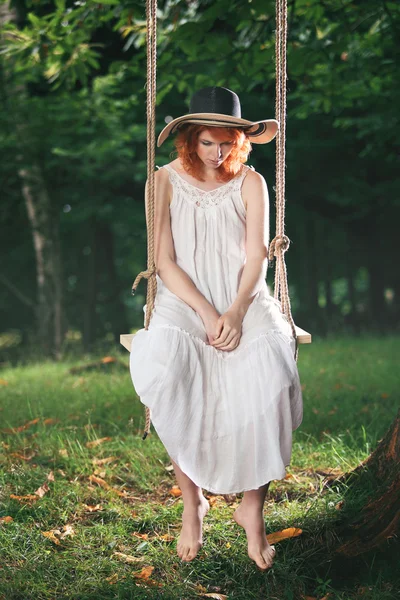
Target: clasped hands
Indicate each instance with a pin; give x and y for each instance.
(224, 331)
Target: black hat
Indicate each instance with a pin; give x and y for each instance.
(219, 107)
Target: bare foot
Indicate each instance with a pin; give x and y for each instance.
(259, 548)
(191, 536)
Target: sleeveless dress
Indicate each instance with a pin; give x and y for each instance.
(225, 417)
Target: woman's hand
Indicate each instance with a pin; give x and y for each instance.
(228, 330)
(210, 320)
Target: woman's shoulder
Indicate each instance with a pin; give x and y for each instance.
(252, 176)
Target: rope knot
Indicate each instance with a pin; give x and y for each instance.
(146, 274)
(280, 242)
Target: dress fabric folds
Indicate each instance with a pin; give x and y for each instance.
(226, 418)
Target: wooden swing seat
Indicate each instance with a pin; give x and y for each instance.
(302, 336)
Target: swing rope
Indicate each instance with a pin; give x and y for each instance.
(281, 242)
(150, 273)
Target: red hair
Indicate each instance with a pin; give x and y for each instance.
(186, 141)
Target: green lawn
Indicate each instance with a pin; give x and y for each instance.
(96, 514)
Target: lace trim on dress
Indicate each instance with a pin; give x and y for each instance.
(205, 198)
(223, 354)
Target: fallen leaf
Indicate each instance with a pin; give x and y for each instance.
(292, 476)
(50, 476)
(175, 491)
(50, 535)
(67, 530)
(63, 452)
(27, 498)
(21, 427)
(50, 421)
(216, 596)
(92, 508)
(108, 359)
(26, 457)
(3, 382)
(200, 588)
(55, 534)
(278, 536)
(127, 558)
(144, 573)
(6, 519)
(104, 461)
(97, 442)
(142, 536)
(167, 537)
(42, 490)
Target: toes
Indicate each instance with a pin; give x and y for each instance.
(268, 556)
(185, 554)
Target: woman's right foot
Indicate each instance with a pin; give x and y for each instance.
(191, 536)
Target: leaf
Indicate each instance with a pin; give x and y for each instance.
(50, 535)
(92, 508)
(3, 382)
(127, 558)
(175, 491)
(27, 498)
(216, 596)
(97, 442)
(144, 573)
(42, 490)
(6, 519)
(104, 461)
(167, 537)
(142, 536)
(278, 536)
(50, 421)
(55, 534)
(108, 359)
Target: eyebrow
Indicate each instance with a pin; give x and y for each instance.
(211, 142)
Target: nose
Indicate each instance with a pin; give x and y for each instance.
(218, 152)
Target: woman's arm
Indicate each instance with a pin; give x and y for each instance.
(255, 195)
(176, 279)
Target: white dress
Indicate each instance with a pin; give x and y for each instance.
(225, 417)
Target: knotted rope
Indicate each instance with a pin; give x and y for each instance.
(150, 273)
(281, 242)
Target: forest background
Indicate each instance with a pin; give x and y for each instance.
(73, 147)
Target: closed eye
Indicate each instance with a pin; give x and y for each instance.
(209, 143)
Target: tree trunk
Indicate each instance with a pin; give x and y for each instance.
(89, 315)
(379, 518)
(42, 215)
(45, 232)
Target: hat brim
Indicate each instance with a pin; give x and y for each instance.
(260, 132)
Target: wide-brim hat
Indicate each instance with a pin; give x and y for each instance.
(219, 107)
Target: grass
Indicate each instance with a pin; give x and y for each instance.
(73, 539)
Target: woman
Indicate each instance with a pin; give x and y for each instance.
(216, 365)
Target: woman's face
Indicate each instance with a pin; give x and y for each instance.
(211, 150)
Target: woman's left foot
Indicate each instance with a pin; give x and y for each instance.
(259, 548)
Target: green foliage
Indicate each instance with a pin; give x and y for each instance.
(74, 76)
